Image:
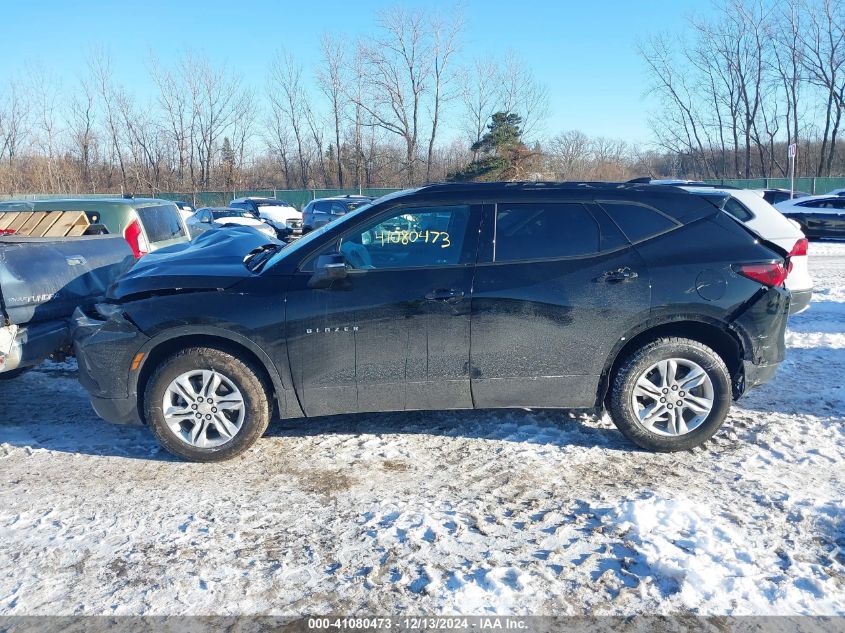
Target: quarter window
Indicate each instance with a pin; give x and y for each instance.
(544, 231)
(638, 222)
(738, 210)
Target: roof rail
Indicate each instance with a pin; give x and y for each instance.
(527, 185)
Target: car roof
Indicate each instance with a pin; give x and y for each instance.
(350, 198)
(221, 209)
(803, 199)
(51, 204)
(259, 199)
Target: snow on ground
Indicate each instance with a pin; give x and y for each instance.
(472, 512)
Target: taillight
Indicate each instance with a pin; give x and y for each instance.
(7, 231)
(798, 250)
(800, 247)
(771, 274)
(135, 237)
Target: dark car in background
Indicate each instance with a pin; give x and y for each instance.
(147, 224)
(320, 212)
(818, 216)
(775, 196)
(644, 300)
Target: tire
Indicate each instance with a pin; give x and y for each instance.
(246, 423)
(645, 363)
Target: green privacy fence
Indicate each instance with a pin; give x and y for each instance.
(297, 197)
(808, 185)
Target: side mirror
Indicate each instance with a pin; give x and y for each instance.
(328, 269)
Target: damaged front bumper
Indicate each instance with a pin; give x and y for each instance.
(105, 348)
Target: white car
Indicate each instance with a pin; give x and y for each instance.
(281, 215)
(185, 209)
(836, 192)
(209, 218)
(751, 209)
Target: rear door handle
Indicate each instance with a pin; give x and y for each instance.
(617, 276)
(449, 295)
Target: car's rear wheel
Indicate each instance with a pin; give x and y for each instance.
(672, 394)
(206, 405)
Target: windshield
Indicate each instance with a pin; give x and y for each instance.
(232, 213)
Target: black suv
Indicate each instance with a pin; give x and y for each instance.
(642, 299)
(320, 212)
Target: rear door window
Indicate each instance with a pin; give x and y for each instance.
(544, 231)
(637, 221)
(161, 223)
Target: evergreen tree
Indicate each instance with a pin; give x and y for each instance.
(501, 151)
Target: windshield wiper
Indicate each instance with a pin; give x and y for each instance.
(258, 257)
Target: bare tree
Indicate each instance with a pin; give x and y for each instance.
(45, 94)
(445, 33)
(331, 79)
(288, 98)
(100, 68)
(176, 91)
(480, 97)
(14, 123)
(397, 66)
(81, 125)
(218, 95)
(523, 94)
(823, 38)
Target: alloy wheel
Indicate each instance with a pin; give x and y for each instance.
(203, 408)
(673, 397)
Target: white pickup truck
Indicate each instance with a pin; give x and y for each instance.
(42, 281)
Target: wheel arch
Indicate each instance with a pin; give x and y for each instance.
(716, 335)
(159, 347)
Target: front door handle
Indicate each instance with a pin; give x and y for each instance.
(449, 295)
(618, 276)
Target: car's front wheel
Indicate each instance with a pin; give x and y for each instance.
(206, 405)
(672, 394)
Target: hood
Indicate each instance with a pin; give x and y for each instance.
(214, 260)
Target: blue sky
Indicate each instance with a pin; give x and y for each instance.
(583, 51)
